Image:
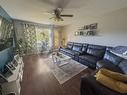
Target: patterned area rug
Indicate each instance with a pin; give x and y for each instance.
(65, 72)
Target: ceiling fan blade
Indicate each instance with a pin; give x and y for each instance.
(56, 19)
(66, 15)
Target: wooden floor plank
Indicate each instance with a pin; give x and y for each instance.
(39, 80)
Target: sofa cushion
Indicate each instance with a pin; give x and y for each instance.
(104, 62)
(84, 48)
(112, 57)
(89, 58)
(108, 65)
(123, 66)
(69, 45)
(115, 75)
(111, 83)
(73, 52)
(77, 47)
(96, 50)
(64, 49)
(68, 50)
(109, 48)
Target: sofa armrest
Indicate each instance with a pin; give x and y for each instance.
(89, 86)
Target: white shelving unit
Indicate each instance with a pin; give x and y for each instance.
(13, 81)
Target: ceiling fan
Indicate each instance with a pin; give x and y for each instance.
(57, 16)
(57, 12)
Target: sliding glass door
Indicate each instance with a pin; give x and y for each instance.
(44, 39)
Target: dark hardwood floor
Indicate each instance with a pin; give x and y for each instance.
(39, 80)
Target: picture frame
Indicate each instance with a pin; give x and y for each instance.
(87, 30)
(93, 26)
(87, 26)
(81, 33)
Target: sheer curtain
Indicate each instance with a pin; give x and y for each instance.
(30, 38)
(34, 38)
(5, 29)
(44, 38)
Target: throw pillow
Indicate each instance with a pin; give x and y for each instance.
(111, 83)
(114, 75)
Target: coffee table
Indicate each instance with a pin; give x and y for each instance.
(60, 58)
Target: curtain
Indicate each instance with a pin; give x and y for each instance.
(43, 38)
(33, 38)
(30, 38)
(56, 39)
(6, 29)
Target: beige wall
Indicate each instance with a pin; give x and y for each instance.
(56, 40)
(112, 29)
(59, 35)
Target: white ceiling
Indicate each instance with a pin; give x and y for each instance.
(35, 10)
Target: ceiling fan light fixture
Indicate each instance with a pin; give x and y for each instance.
(56, 19)
(57, 15)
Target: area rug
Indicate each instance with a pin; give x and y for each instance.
(65, 72)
